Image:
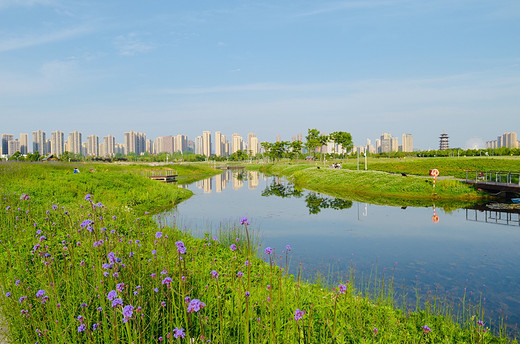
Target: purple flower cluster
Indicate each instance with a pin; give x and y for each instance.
(342, 288)
(195, 305)
(178, 332)
(180, 247)
(243, 221)
(298, 314)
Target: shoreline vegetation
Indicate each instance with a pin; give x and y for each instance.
(82, 259)
(378, 187)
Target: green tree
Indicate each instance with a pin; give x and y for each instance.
(313, 140)
(34, 156)
(17, 156)
(343, 139)
(296, 147)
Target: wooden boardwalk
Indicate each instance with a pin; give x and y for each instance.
(494, 181)
(167, 176)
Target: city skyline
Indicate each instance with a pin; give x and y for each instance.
(365, 67)
(138, 143)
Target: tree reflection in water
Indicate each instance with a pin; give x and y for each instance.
(315, 202)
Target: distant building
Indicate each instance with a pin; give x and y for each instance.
(444, 142)
(4, 149)
(75, 142)
(24, 143)
(57, 143)
(252, 144)
(509, 140)
(237, 143)
(13, 146)
(407, 143)
(181, 143)
(93, 145)
(135, 142)
(206, 143)
(39, 142)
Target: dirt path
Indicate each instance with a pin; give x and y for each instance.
(3, 329)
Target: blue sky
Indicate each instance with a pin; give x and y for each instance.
(271, 67)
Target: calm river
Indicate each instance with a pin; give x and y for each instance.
(477, 250)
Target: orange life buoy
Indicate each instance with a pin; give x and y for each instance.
(434, 172)
(435, 218)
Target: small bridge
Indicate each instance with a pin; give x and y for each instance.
(167, 176)
(494, 181)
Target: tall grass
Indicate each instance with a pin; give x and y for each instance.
(86, 271)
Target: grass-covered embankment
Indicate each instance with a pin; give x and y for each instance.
(85, 271)
(120, 185)
(375, 186)
(448, 166)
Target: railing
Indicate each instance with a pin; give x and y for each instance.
(508, 177)
(159, 173)
(493, 216)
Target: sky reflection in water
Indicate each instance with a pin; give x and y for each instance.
(447, 256)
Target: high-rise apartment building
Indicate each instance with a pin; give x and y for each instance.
(109, 146)
(509, 140)
(74, 141)
(57, 143)
(206, 143)
(39, 142)
(4, 149)
(198, 145)
(135, 142)
(386, 143)
(252, 144)
(237, 143)
(181, 143)
(218, 143)
(24, 143)
(407, 145)
(13, 146)
(165, 144)
(93, 145)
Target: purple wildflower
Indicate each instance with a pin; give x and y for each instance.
(167, 281)
(158, 235)
(342, 288)
(95, 326)
(268, 250)
(128, 311)
(120, 287)
(195, 305)
(112, 295)
(82, 327)
(178, 332)
(8, 294)
(214, 274)
(40, 293)
(240, 274)
(233, 247)
(243, 221)
(298, 314)
(180, 247)
(426, 329)
(100, 309)
(88, 196)
(375, 330)
(20, 300)
(117, 302)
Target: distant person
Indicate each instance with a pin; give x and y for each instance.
(76, 170)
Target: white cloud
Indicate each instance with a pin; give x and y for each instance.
(26, 41)
(131, 44)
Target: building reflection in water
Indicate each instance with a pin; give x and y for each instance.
(253, 179)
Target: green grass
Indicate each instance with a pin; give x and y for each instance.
(377, 187)
(58, 266)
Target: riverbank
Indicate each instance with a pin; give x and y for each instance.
(85, 270)
(377, 187)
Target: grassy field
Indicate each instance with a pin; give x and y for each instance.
(377, 187)
(454, 166)
(119, 184)
(81, 269)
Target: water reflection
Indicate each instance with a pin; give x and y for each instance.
(314, 202)
(463, 248)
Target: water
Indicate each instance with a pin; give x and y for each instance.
(477, 250)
